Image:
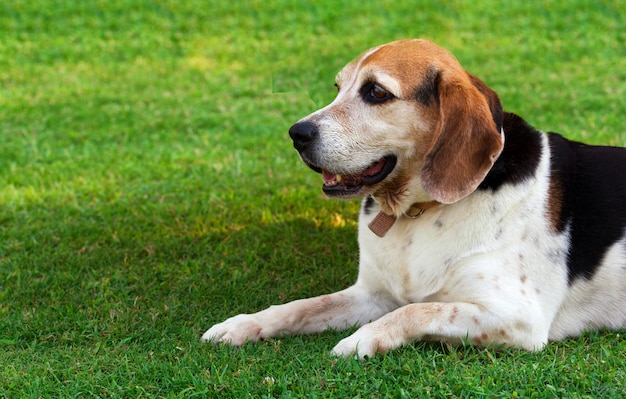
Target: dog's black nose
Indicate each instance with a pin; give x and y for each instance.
(302, 133)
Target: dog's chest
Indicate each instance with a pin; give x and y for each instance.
(415, 257)
(457, 252)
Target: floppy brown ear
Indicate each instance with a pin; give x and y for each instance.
(467, 139)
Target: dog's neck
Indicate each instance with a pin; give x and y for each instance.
(382, 222)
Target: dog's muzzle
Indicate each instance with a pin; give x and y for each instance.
(304, 135)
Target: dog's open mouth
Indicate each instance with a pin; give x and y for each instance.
(346, 185)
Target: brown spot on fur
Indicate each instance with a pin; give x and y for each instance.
(502, 333)
(521, 325)
(406, 279)
(452, 317)
(422, 314)
(482, 340)
(523, 279)
(524, 237)
(475, 320)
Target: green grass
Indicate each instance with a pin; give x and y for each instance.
(148, 189)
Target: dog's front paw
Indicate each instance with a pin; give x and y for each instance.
(359, 345)
(234, 331)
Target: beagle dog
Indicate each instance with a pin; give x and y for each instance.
(474, 226)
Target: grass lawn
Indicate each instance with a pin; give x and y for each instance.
(148, 189)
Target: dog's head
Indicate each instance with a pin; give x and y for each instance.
(408, 125)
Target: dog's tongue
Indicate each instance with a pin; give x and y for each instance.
(330, 178)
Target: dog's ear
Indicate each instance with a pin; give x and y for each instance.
(467, 140)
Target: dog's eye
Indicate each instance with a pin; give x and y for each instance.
(378, 92)
(375, 93)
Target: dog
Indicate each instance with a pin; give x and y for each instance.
(474, 226)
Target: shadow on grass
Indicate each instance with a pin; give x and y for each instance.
(280, 262)
(72, 275)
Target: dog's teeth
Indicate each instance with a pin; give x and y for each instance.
(338, 179)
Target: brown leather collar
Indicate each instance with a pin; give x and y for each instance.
(382, 222)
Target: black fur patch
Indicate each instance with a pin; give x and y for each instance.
(519, 158)
(593, 193)
(368, 203)
(427, 91)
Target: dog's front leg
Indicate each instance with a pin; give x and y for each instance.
(340, 310)
(453, 322)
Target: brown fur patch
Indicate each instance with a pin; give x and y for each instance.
(555, 204)
(466, 142)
